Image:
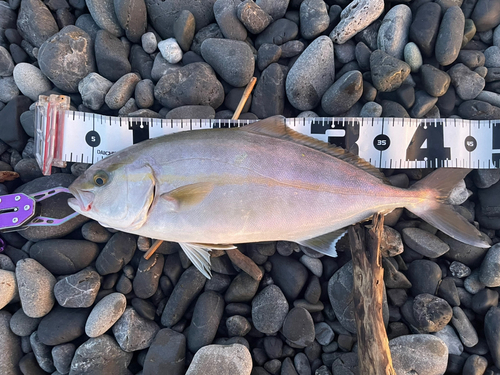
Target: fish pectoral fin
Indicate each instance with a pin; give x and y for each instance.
(188, 196)
(214, 246)
(326, 243)
(199, 256)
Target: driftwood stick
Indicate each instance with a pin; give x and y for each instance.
(236, 114)
(374, 356)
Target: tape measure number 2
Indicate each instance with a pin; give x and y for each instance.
(63, 135)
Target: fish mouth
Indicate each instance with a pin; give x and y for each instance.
(82, 202)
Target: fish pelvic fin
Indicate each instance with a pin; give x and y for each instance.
(199, 256)
(437, 186)
(326, 243)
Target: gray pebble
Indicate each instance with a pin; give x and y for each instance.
(253, 17)
(489, 273)
(10, 346)
(35, 22)
(93, 89)
(449, 39)
(419, 354)
(343, 94)
(492, 57)
(459, 270)
(133, 332)
(468, 84)
(22, 325)
(314, 18)
(472, 283)
(62, 356)
(413, 57)
(6, 63)
(95, 232)
(233, 60)
(472, 59)
(269, 94)
(191, 112)
(184, 29)
(423, 104)
(269, 309)
(67, 57)
(464, 327)
(210, 31)
(36, 286)
(103, 13)
(87, 24)
(144, 93)
(485, 178)
(241, 289)
(42, 353)
(371, 109)
(105, 314)
(132, 17)
(279, 32)
(124, 285)
(121, 91)
(149, 42)
(225, 12)
(394, 31)
(388, 73)
(424, 242)
(323, 333)
(8, 89)
(209, 360)
(311, 75)
(177, 88)
(475, 365)
(275, 8)
(268, 54)
(345, 53)
(162, 67)
(111, 56)
(30, 80)
(8, 288)
(6, 263)
(450, 338)
(355, 17)
(78, 290)
(435, 81)
(298, 327)
(431, 313)
(127, 108)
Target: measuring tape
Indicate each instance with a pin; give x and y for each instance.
(64, 136)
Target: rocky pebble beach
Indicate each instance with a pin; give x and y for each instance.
(81, 299)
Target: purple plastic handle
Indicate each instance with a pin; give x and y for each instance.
(48, 221)
(15, 210)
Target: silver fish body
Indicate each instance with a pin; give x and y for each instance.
(264, 183)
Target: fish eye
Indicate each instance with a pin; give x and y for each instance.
(100, 178)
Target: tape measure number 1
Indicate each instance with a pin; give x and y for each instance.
(64, 136)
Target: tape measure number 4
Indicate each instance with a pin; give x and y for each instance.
(69, 136)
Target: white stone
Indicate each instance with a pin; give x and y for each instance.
(355, 17)
(170, 50)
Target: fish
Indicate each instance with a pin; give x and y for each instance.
(214, 188)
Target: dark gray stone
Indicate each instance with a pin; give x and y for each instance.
(289, 274)
(478, 110)
(253, 17)
(425, 26)
(311, 75)
(162, 14)
(486, 15)
(6, 63)
(148, 276)
(62, 356)
(141, 62)
(448, 291)
(267, 54)
(191, 112)
(475, 365)
(28, 170)
(67, 57)
(22, 325)
(343, 94)
(111, 56)
(464, 327)
(210, 31)
(483, 178)
(314, 18)
(144, 93)
(292, 48)
(42, 353)
(431, 313)
(100, 355)
(87, 24)
(133, 332)
(470, 58)
(492, 333)
(64, 257)
(118, 252)
(269, 95)
(394, 30)
(233, 60)
(275, 8)
(424, 276)
(388, 73)
(93, 89)
(35, 22)
(435, 81)
(423, 104)
(449, 39)
(225, 12)
(298, 327)
(184, 29)
(95, 232)
(269, 309)
(132, 17)
(121, 91)
(178, 88)
(12, 131)
(104, 14)
(207, 315)
(468, 84)
(62, 325)
(186, 290)
(489, 273)
(8, 89)
(166, 354)
(484, 300)
(424, 242)
(29, 365)
(78, 290)
(242, 288)
(278, 32)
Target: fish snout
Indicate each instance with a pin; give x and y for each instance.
(82, 200)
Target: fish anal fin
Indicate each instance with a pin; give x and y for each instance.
(187, 196)
(276, 127)
(326, 243)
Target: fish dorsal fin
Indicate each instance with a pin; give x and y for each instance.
(187, 196)
(276, 127)
(326, 243)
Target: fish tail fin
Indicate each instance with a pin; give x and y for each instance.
(436, 187)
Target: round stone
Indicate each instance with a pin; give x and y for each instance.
(104, 15)
(431, 313)
(489, 273)
(394, 31)
(413, 57)
(36, 285)
(435, 81)
(298, 327)
(67, 57)
(10, 346)
(269, 309)
(486, 15)
(253, 17)
(95, 232)
(314, 18)
(111, 56)
(132, 17)
(450, 338)
(121, 91)
(8, 287)
(170, 50)
(62, 325)
(425, 26)
(30, 80)
(226, 17)
(22, 325)
(388, 73)
(343, 94)
(424, 276)
(207, 315)
(237, 325)
(149, 42)
(35, 22)
(311, 75)
(209, 360)
(78, 290)
(450, 35)
(424, 242)
(279, 32)
(105, 314)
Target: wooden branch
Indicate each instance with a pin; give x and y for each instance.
(374, 356)
(152, 249)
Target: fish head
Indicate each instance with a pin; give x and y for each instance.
(115, 192)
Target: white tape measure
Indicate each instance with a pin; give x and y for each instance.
(69, 136)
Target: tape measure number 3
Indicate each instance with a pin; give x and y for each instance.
(64, 136)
